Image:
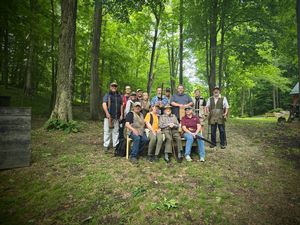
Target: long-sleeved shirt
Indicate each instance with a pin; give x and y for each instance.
(166, 120)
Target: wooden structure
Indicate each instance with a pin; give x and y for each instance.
(15, 126)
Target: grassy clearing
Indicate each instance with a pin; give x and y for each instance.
(71, 181)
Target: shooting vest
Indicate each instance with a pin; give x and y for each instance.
(199, 107)
(216, 111)
(114, 104)
(138, 123)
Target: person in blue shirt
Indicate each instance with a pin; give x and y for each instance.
(159, 100)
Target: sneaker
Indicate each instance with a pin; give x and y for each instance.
(188, 158)
(134, 160)
(202, 159)
(223, 146)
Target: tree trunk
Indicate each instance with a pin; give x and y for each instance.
(222, 21)
(94, 94)
(53, 67)
(66, 61)
(207, 54)
(243, 103)
(298, 41)
(274, 97)
(213, 44)
(5, 56)
(181, 42)
(150, 74)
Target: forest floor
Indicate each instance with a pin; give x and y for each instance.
(256, 180)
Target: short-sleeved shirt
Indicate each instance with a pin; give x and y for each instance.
(155, 120)
(190, 123)
(180, 99)
(129, 117)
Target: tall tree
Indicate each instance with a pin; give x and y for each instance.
(94, 93)
(157, 8)
(213, 44)
(66, 61)
(53, 66)
(181, 42)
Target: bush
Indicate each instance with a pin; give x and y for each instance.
(276, 110)
(68, 127)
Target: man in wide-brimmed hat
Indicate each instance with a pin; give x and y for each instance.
(217, 107)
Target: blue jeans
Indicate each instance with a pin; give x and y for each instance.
(138, 144)
(214, 133)
(189, 142)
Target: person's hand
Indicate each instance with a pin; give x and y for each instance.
(194, 135)
(154, 133)
(158, 131)
(225, 115)
(135, 132)
(171, 125)
(182, 106)
(107, 115)
(121, 117)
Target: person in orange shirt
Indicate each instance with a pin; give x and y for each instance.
(155, 135)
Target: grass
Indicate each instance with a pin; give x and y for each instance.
(71, 181)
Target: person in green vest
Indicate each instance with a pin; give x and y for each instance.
(217, 107)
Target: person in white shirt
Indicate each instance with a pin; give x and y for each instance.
(217, 108)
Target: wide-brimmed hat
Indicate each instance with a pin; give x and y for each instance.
(139, 90)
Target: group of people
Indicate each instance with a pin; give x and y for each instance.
(163, 121)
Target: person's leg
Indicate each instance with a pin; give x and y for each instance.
(201, 149)
(152, 144)
(168, 139)
(159, 143)
(189, 142)
(222, 134)
(143, 141)
(106, 135)
(135, 145)
(213, 133)
(115, 133)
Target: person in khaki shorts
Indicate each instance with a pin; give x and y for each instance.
(155, 134)
(169, 125)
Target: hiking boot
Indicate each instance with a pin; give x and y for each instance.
(223, 146)
(180, 157)
(202, 159)
(105, 149)
(156, 158)
(133, 160)
(188, 158)
(212, 146)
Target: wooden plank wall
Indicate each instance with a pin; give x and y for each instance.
(15, 137)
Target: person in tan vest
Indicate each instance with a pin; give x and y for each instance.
(135, 125)
(217, 107)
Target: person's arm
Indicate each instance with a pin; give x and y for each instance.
(104, 106)
(127, 108)
(165, 101)
(148, 124)
(207, 106)
(198, 129)
(176, 123)
(226, 106)
(122, 112)
(174, 103)
(190, 101)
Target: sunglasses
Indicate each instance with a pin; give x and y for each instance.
(115, 86)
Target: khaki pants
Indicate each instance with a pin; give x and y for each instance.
(169, 133)
(156, 142)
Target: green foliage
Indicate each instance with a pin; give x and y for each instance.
(138, 191)
(66, 126)
(166, 204)
(276, 110)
